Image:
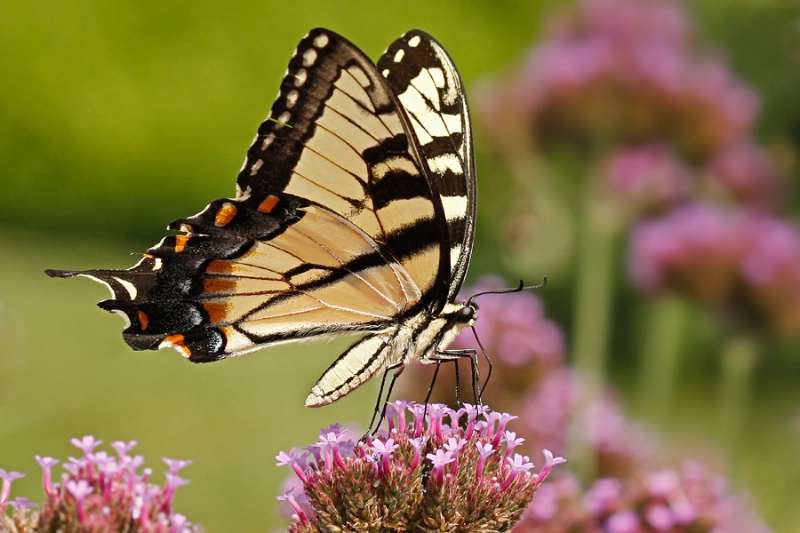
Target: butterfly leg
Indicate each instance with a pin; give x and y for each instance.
(433, 382)
(455, 356)
(398, 369)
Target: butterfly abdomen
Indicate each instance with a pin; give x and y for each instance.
(422, 337)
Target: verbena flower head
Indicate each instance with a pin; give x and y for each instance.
(647, 177)
(684, 500)
(101, 492)
(434, 469)
(745, 263)
(746, 173)
(614, 72)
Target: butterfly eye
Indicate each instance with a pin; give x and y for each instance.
(468, 312)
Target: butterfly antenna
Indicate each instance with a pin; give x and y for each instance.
(519, 288)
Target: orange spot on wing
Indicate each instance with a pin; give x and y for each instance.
(179, 342)
(143, 320)
(268, 204)
(218, 285)
(218, 266)
(225, 214)
(217, 312)
(149, 256)
(180, 242)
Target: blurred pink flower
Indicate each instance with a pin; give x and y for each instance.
(648, 177)
(624, 20)
(695, 247)
(745, 262)
(746, 173)
(682, 500)
(559, 402)
(621, 71)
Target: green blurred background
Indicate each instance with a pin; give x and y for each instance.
(116, 118)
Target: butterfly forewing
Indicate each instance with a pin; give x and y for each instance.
(432, 94)
(337, 137)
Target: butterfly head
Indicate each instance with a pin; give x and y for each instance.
(467, 315)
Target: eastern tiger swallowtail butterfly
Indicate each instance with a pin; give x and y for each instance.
(354, 213)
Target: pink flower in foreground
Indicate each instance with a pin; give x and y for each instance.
(529, 377)
(100, 492)
(435, 469)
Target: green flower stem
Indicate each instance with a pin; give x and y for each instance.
(660, 355)
(599, 229)
(739, 357)
(594, 290)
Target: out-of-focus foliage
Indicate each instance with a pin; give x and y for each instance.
(118, 118)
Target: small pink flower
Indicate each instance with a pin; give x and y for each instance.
(5, 490)
(100, 492)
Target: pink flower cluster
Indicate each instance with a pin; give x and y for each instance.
(651, 177)
(99, 492)
(683, 500)
(622, 71)
(434, 469)
(743, 262)
(648, 177)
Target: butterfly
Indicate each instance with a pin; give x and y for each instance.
(354, 213)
